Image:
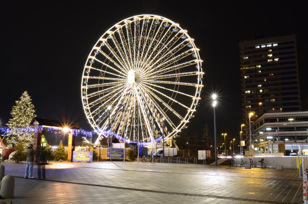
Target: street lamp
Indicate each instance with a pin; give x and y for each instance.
(233, 147)
(241, 138)
(214, 104)
(224, 135)
(249, 118)
(109, 125)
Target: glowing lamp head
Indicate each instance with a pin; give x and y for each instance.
(65, 129)
(214, 96)
(214, 104)
(251, 114)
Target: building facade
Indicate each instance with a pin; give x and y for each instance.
(269, 76)
(284, 132)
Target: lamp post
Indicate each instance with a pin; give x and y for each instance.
(249, 118)
(214, 104)
(109, 127)
(163, 138)
(241, 138)
(233, 147)
(224, 135)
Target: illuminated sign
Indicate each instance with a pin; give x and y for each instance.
(83, 156)
(115, 153)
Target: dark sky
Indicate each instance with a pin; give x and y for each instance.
(44, 46)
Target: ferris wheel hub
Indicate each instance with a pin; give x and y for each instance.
(133, 77)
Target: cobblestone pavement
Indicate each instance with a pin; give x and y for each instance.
(133, 182)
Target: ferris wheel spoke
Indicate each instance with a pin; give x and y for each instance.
(125, 47)
(102, 85)
(159, 46)
(103, 91)
(104, 71)
(160, 110)
(111, 103)
(145, 118)
(104, 98)
(153, 43)
(110, 67)
(164, 103)
(171, 90)
(167, 61)
(141, 41)
(117, 110)
(99, 112)
(130, 42)
(117, 57)
(172, 82)
(104, 78)
(147, 42)
(169, 49)
(121, 52)
(162, 94)
(154, 117)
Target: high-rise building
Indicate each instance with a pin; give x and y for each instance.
(269, 75)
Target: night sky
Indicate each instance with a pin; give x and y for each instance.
(45, 44)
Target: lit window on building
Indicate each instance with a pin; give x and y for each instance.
(246, 77)
(258, 66)
(270, 55)
(269, 60)
(276, 59)
(259, 71)
(257, 46)
(263, 46)
(247, 91)
(270, 50)
(245, 57)
(269, 45)
(273, 100)
(275, 44)
(249, 106)
(261, 91)
(259, 85)
(260, 103)
(271, 74)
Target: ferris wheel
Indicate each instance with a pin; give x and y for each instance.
(142, 80)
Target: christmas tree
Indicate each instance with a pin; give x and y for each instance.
(22, 114)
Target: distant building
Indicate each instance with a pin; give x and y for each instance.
(284, 132)
(269, 76)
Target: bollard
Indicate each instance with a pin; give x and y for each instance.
(7, 187)
(2, 170)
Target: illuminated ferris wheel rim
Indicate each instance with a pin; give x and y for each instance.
(135, 73)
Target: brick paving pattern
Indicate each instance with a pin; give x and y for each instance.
(133, 182)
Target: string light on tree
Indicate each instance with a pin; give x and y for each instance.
(22, 114)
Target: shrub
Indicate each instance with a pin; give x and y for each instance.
(131, 154)
(49, 153)
(20, 154)
(60, 153)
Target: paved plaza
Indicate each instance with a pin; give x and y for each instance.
(133, 182)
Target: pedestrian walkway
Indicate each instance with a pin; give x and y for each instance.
(133, 182)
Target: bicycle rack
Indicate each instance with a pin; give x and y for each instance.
(195, 160)
(186, 160)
